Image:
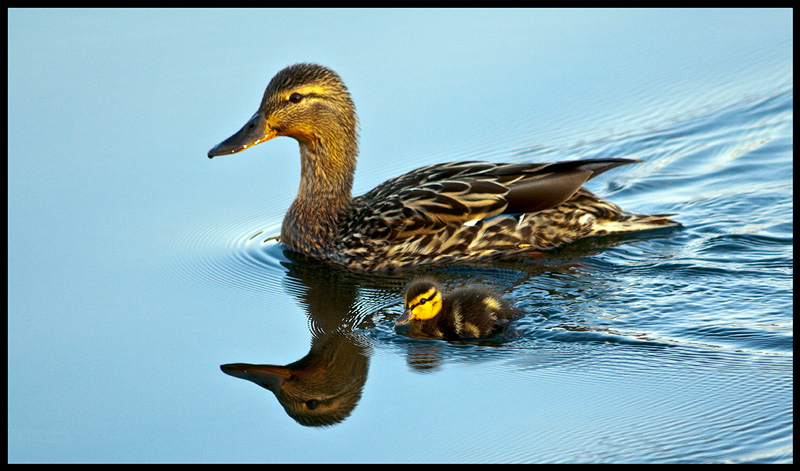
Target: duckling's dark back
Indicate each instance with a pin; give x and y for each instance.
(474, 312)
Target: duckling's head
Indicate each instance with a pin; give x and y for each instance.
(307, 102)
(423, 300)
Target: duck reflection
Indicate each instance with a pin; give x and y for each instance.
(324, 386)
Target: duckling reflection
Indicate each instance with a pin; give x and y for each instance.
(322, 388)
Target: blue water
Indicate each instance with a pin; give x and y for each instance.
(137, 266)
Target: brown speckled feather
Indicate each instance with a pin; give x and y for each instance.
(461, 212)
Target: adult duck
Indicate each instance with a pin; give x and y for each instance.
(457, 212)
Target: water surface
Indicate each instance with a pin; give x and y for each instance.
(137, 266)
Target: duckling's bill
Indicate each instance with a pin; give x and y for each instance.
(404, 318)
(255, 131)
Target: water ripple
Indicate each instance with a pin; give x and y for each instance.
(237, 254)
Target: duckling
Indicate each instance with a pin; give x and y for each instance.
(466, 313)
(456, 212)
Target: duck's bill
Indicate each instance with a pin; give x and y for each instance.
(253, 132)
(404, 318)
(270, 377)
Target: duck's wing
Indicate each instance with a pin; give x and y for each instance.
(426, 200)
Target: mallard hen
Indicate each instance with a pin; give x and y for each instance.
(457, 212)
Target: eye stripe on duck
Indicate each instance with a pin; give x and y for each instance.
(423, 298)
(308, 92)
(298, 97)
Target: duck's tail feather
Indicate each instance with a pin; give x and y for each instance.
(634, 223)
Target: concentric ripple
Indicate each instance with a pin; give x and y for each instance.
(242, 253)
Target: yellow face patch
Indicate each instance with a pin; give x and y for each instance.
(426, 305)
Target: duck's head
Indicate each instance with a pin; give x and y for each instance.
(423, 300)
(308, 102)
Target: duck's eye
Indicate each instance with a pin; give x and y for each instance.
(312, 404)
(295, 97)
(423, 301)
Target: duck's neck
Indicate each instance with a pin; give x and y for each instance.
(311, 224)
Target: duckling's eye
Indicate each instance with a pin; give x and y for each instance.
(423, 301)
(312, 404)
(295, 97)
